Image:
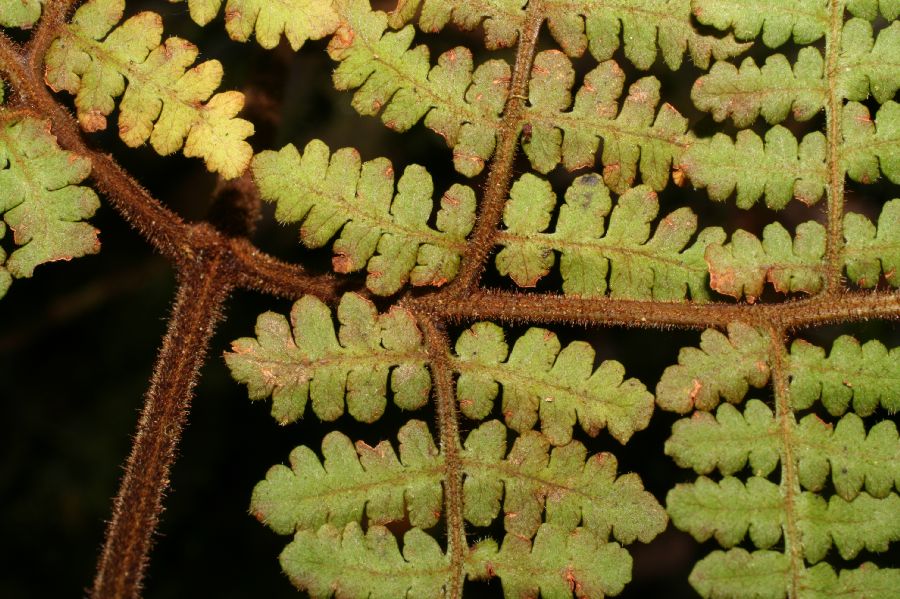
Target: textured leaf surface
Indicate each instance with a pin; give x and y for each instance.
(298, 20)
(381, 229)
(803, 20)
(460, 105)
(40, 199)
(637, 266)
(162, 99)
(872, 146)
(20, 13)
(352, 480)
(869, 252)
(553, 565)
(542, 379)
(723, 366)
(845, 454)
(646, 27)
(638, 136)
(778, 168)
(561, 485)
(312, 362)
(853, 374)
(741, 267)
(366, 564)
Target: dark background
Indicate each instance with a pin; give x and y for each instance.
(78, 342)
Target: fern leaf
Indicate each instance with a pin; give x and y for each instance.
(869, 252)
(635, 136)
(312, 362)
(740, 574)
(871, 146)
(351, 563)
(20, 13)
(460, 105)
(554, 565)
(742, 266)
(541, 379)
(571, 489)
(723, 366)
(805, 20)
(863, 523)
(726, 441)
(639, 267)
(869, 9)
(390, 234)
(646, 27)
(40, 198)
(162, 101)
(821, 581)
(350, 481)
(728, 510)
(865, 375)
(298, 20)
(778, 169)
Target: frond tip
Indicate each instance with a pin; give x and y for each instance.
(162, 100)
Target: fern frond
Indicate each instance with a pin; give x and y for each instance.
(869, 252)
(366, 564)
(636, 136)
(554, 565)
(742, 266)
(869, 9)
(298, 20)
(778, 168)
(731, 440)
(311, 362)
(20, 13)
(350, 481)
(804, 20)
(560, 485)
(542, 379)
(460, 105)
(646, 27)
(864, 375)
(723, 366)
(40, 199)
(162, 101)
(388, 232)
(871, 146)
(638, 266)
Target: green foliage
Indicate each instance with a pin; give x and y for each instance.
(162, 102)
(20, 13)
(869, 251)
(40, 198)
(387, 231)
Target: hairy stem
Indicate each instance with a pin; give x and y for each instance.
(835, 187)
(439, 356)
(138, 504)
(500, 174)
(790, 483)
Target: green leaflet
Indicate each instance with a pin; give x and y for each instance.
(845, 454)
(869, 252)
(646, 27)
(731, 509)
(739, 574)
(385, 231)
(742, 266)
(869, 9)
(636, 137)
(871, 146)
(541, 379)
(298, 20)
(778, 168)
(20, 13)
(864, 375)
(555, 563)
(162, 101)
(723, 366)
(40, 198)
(366, 564)
(311, 362)
(339, 489)
(804, 20)
(460, 105)
(638, 267)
